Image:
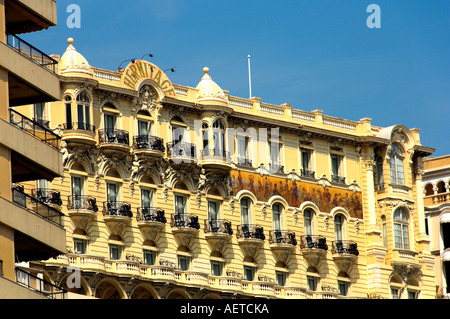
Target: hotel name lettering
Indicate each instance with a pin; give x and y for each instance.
(141, 70)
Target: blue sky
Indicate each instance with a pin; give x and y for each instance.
(314, 54)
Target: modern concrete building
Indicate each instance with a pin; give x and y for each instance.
(29, 229)
(170, 191)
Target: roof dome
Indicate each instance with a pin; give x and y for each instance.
(74, 62)
(208, 90)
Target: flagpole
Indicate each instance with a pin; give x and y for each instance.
(249, 78)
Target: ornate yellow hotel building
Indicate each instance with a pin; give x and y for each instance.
(172, 191)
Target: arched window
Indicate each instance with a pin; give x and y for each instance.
(276, 214)
(245, 204)
(83, 110)
(429, 190)
(68, 104)
(379, 182)
(384, 229)
(205, 137)
(401, 232)
(396, 164)
(339, 227)
(308, 216)
(219, 138)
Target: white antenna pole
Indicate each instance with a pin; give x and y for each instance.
(249, 78)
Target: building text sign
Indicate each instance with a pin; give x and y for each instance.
(141, 70)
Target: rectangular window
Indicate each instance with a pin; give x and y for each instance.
(110, 122)
(306, 155)
(249, 273)
(114, 252)
(343, 287)
(242, 149)
(244, 211)
(395, 293)
(216, 268)
(146, 198)
(281, 278)
(213, 210)
(336, 164)
(79, 246)
(149, 257)
(312, 283)
(412, 294)
(180, 206)
(143, 128)
(112, 193)
(183, 262)
(276, 212)
(69, 115)
(39, 111)
(308, 222)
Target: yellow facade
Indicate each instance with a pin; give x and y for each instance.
(285, 204)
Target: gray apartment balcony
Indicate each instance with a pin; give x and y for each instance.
(32, 74)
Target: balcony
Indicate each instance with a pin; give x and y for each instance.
(114, 140)
(29, 16)
(38, 285)
(250, 238)
(345, 253)
(314, 248)
(79, 132)
(148, 144)
(243, 161)
(218, 233)
(338, 179)
(117, 215)
(307, 173)
(36, 206)
(48, 196)
(216, 158)
(31, 73)
(437, 199)
(184, 227)
(181, 152)
(151, 221)
(34, 128)
(82, 209)
(276, 168)
(282, 243)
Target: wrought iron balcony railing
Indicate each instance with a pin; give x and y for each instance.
(345, 247)
(221, 226)
(313, 241)
(338, 179)
(244, 161)
(150, 214)
(82, 202)
(184, 220)
(34, 128)
(48, 196)
(37, 207)
(29, 51)
(217, 153)
(112, 208)
(148, 142)
(79, 126)
(113, 136)
(282, 237)
(250, 231)
(307, 173)
(277, 168)
(181, 149)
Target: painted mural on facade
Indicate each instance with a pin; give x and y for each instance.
(295, 192)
